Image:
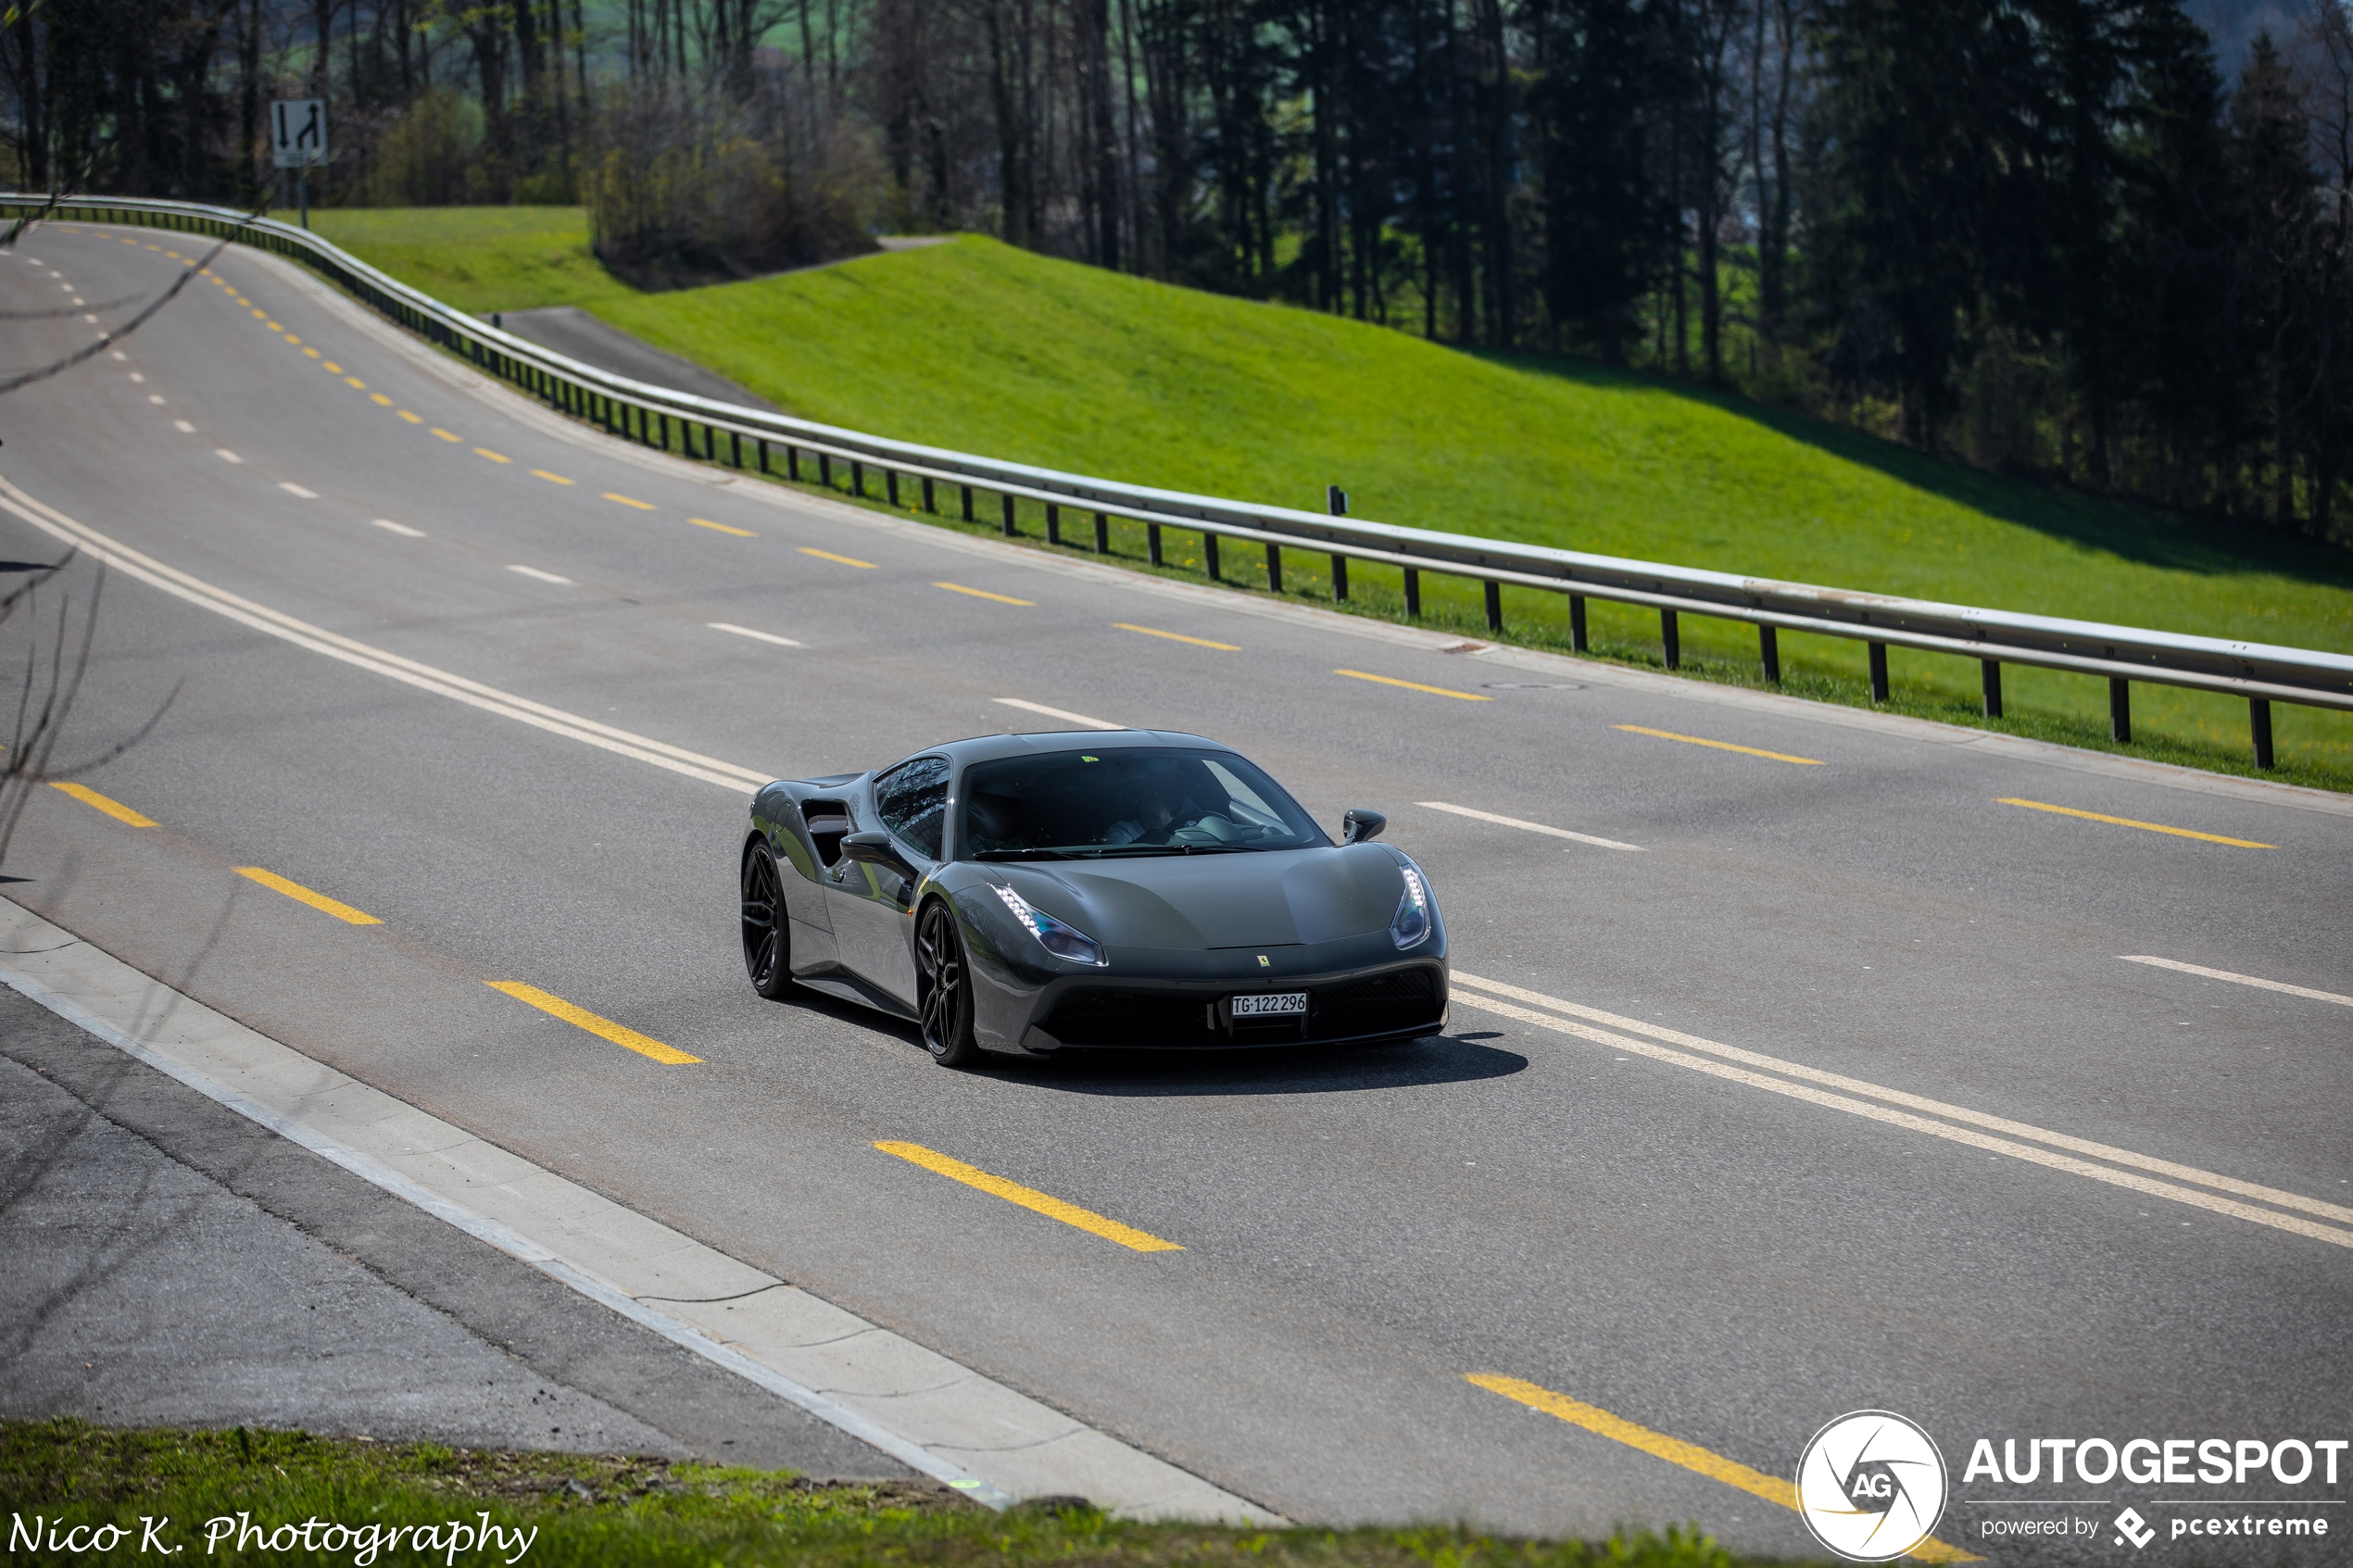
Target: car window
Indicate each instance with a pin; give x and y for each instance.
(912, 799)
(1131, 801)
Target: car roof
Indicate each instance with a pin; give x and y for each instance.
(989, 748)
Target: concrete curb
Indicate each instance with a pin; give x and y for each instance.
(987, 1441)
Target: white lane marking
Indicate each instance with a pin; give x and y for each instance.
(92, 319)
(2055, 1161)
(1917, 1102)
(134, 375)
(1935, 1129)
(350, 650)
(226, 456)
(747, 632)
(185, 427)
(155, 397)
(291, 488)
(543, 576)
(120, 355)
(1078, 718)
(400, 528)
(2237, 979)
(1530, 827)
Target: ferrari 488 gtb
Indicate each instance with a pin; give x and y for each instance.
(1132, 888)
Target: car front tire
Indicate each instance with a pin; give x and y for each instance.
(944, 982)
(767, 937)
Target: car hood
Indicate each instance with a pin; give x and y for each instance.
(1264, 900)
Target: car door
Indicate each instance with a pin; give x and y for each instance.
(871, 904)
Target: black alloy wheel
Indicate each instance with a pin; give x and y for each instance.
(766, 953)
(944, 982)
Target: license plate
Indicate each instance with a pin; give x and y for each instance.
(1276, 1004)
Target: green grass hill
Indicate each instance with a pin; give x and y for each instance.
(983, 347)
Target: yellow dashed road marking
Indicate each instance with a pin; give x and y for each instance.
(1721, 746)
(1691, 1456)
(1413, 686)
(410, 418)
(1028, 1198)
(722, 528)
(844, 561)
(1177, 638)
(619, 1033)
(447, 436)
(114, 809)
(2129, 822)
(551, 478)
(983, 594)
(493, 457)
(641, 506)
(300, 893)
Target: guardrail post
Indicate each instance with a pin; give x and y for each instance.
(1053, 523)
(1209, 553)
(1152, 541)
(763, 456)
(1339, 579)
(890, 485)
(1993, 668)
(1413, 593)
(1769, 645)
(2258, 724)
(2119, 709)
(1577, 622)
(792, 462)
(735, 448)
(1011, 531)
(1670, 640)
(1274, 569)
(968, 501)
(1102, 534)
(857, 479)
(1494, 606)
(826, 469)
(929, 504)
(665, 432)
(1879, 671)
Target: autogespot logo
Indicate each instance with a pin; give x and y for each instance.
(1870, 1485)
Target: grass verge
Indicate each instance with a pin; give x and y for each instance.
(982, 347)
(564, 1508)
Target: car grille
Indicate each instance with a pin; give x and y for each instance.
(1099, 1016)
(1400, 1000)
(1106, 1016)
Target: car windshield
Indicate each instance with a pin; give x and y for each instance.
(1155, 800)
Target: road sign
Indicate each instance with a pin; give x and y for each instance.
(298, 132)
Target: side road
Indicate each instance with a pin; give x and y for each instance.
(173, 1263)
(723, 1359)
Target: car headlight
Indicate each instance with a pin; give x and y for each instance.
(1412, 921)
(1052, 934)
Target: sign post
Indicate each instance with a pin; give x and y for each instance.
(298, 139)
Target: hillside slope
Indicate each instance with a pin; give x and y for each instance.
(984, 347)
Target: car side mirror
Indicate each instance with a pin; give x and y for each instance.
(1359, 826)
(873, 847)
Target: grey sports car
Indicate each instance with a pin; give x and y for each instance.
(1132, 888)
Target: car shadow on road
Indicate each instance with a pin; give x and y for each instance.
(1295, 1069)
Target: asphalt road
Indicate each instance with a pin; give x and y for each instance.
(1715, 1258)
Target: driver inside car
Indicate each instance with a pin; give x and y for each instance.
(1158, 809)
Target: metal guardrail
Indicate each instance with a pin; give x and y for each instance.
(739, 437)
